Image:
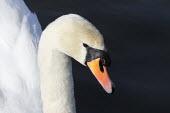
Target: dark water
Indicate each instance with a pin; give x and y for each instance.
(137, 35)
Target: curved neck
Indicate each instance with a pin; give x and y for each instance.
(56, 82)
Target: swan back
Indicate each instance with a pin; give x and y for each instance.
(19, 82)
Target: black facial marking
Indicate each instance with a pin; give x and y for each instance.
(93, 54)
(85, 45)
(101, 66)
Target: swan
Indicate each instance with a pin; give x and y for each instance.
(35, 66)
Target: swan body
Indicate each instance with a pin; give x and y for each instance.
(36, 73)
(19, 76)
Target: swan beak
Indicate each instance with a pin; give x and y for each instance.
(101, 74)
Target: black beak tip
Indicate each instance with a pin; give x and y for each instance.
(113, 88)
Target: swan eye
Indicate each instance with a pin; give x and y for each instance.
(85, 45)
(103, 61)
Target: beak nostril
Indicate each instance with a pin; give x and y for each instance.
(101, 66)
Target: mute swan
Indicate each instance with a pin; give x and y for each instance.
(20, 65)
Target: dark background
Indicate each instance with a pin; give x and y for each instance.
(137, 35)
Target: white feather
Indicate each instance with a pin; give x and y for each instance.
(19, 74)
(19, 36)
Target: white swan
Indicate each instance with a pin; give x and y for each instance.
(68, 36)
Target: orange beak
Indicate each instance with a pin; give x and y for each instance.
(101, 75)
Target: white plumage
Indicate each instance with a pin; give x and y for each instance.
(19, 36)
(20, 78)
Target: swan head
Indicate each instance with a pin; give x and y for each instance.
(76, 37)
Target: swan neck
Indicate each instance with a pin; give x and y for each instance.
(56, 81)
